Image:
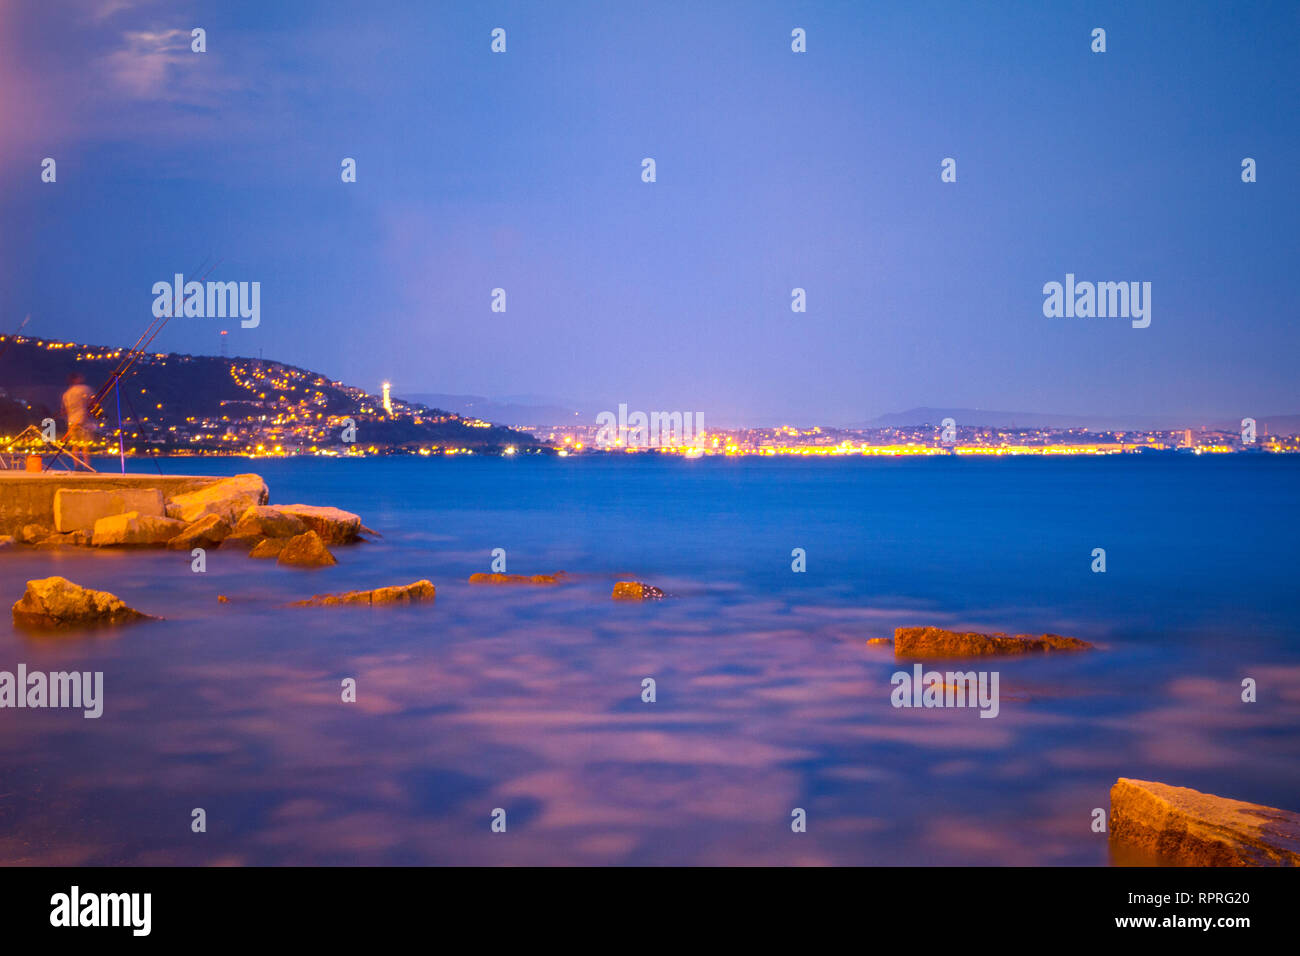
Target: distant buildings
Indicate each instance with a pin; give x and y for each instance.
(922, 440)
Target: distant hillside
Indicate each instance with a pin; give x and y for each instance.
(174, 402)
(15, 415)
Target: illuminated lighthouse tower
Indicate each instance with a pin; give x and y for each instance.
(388, 399)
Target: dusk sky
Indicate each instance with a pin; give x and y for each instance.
(775, 170)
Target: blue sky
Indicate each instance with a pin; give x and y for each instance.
(775, 170)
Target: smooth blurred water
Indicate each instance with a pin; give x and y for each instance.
(768, 696)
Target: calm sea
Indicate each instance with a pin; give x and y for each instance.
(768, 697)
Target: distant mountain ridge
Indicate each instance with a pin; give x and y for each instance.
(505, 411)
(1275, 424)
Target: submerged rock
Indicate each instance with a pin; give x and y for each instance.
(306, 550)
(267, 521)
(880, 641)
(635, 591)
(414, 593)
(207, 532)
(544, 580)
(135, 529)
(937, 642)
(56, 602)
(334, 525)
(227, 499)
(1184, 827)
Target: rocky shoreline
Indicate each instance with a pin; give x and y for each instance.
(231, 514)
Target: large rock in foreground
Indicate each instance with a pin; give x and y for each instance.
(635, 591)
(135, 529)
(1184, 827)
(937, 642)
(334, 525)
(541, 580)
(58, 603)
(414, 593)
(228, 499)
(306, 550)
(77, 509)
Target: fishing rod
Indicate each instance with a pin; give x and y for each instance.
(155, 326)
(141, 346)
(126, 361)
(5, 347)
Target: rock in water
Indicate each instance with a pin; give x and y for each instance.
(542, 580)
(227, 499)
(1184, 827)
(269, 547)
(305, 551)
(414, 593)
(267, 521)
(57, 603)
(635, 591)
(334, 525)
(73, 539)
(31, 533)
(135, 529)
(207, 532)
(937, 642)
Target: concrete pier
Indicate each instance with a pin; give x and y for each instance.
(28, 497)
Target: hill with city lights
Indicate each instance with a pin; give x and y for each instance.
(177, 404)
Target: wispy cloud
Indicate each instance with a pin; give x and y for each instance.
(148, 62)
(102, 10)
